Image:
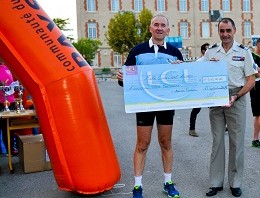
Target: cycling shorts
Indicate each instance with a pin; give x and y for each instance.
(162, 118)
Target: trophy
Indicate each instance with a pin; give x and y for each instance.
(5, 89)
(19, 103)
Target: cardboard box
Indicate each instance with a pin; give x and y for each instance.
(33, 155)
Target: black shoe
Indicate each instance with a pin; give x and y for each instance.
(213, 191)
(256, 143)
(236, 192)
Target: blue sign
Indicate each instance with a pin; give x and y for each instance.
(176, 41)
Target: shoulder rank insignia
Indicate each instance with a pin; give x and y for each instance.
(213, 46)
(243, 47)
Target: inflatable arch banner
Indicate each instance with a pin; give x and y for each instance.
(66, 97)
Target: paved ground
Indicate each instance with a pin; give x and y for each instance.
(191, 161)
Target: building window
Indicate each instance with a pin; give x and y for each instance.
(247, 29)
(117, 59)
(226, 5)
(115, 5)
(91, 5)
(246, 5)
(161, 5)
(205, 30)
(183, 5)
(138, 5)
(204, 5)
(92, 30)
(184, 29)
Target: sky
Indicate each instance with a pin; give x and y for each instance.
(62, 9)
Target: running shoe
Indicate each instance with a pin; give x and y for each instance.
(138, 192)
(170, 191)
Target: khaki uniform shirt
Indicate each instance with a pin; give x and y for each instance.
(239, 59)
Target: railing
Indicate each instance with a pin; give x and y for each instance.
(106, 74)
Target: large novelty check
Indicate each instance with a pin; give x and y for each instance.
(175, 86)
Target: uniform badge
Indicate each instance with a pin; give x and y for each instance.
(238, 58)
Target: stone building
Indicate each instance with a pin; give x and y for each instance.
(195, 21)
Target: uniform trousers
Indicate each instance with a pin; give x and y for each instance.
(235, 118)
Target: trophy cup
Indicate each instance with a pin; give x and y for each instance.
(5, 89)
(19, 103)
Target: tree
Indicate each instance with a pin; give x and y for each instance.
(87, 48)
(144, 22)
(61, 23)
(125, 30)
(122, 32)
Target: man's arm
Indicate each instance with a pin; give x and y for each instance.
(258, 74)
(247, 87)
(119, 76)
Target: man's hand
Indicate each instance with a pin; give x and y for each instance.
(231, 102)
(119, 75)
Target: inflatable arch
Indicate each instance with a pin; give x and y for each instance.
(66, 97)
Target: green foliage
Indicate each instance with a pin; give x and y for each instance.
(144, 22)
(61, 23)
(106, 70)
(121, 31)
(87, 48)
(125, 30)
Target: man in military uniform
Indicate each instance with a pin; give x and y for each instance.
(240, 81)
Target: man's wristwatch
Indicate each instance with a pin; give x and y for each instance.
(237, 96)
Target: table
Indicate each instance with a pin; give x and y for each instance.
(13, 122)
